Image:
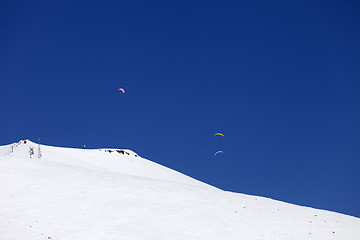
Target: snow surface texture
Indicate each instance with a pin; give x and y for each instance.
(101, 195)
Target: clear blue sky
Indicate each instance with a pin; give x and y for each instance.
(281, 80)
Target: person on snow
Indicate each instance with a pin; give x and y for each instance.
(31, 152)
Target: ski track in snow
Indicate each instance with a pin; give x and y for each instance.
(94, 194)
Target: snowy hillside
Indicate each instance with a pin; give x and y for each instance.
(115, 194)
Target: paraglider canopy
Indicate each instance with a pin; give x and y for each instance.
(122, 90)
(219, 134)
(218, 152)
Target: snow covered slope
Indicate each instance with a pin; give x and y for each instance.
(97, 194)
(115, 160)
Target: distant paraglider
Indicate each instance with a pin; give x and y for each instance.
(219, 134)
(218, 152)
(121, 90)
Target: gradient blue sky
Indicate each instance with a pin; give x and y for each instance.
(280, 79)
